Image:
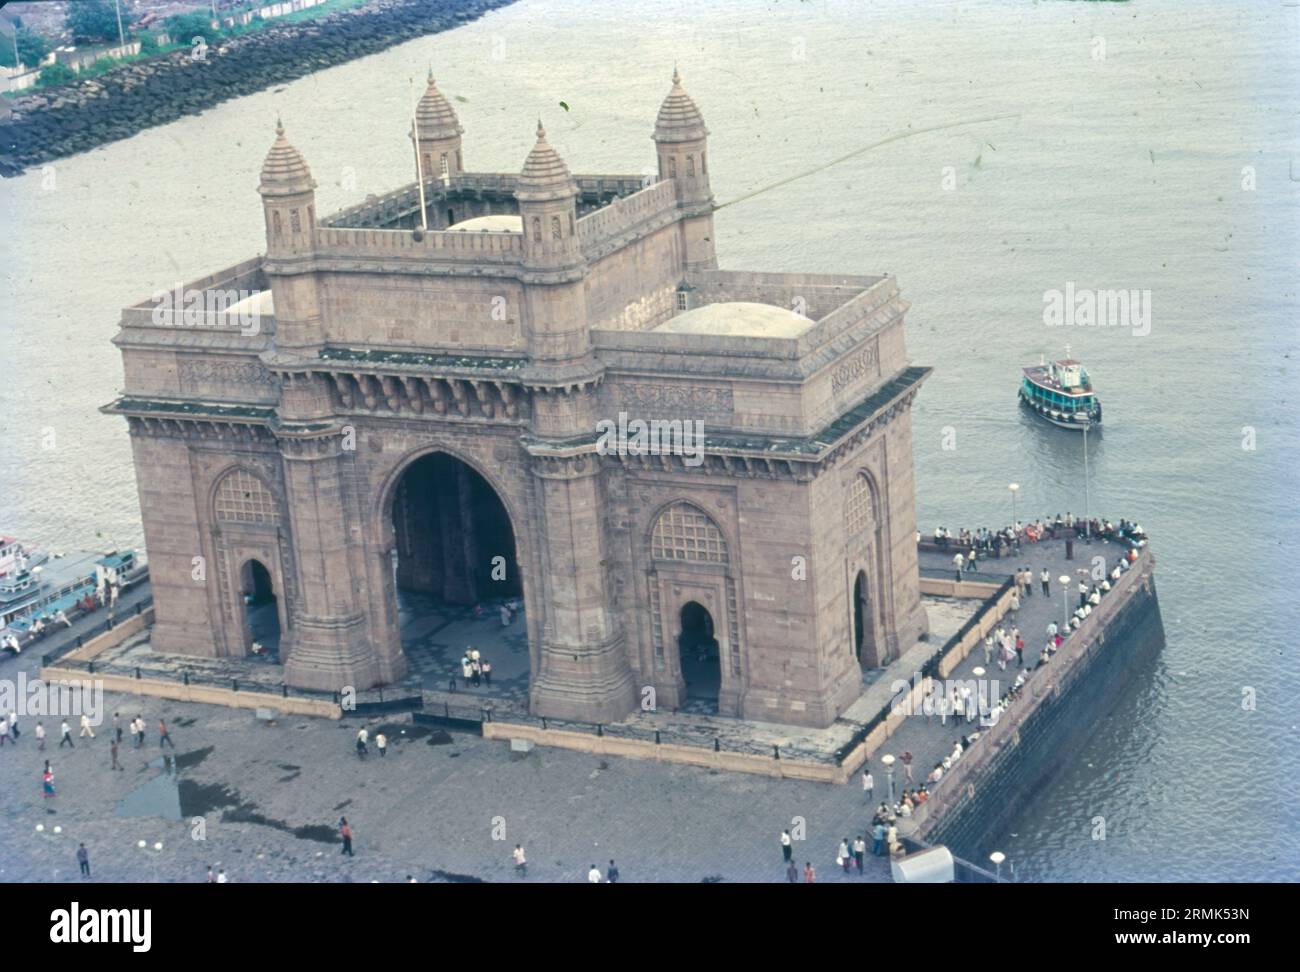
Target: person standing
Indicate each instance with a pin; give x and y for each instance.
(40, 737)
(67, 735)
(958, 562)
(212, 878)
(907, 765)
(988, 649)
(83, 860)
(791, 872)
(362, 736)
(1020, 651)
(843, 856)
(346, 833)
(4, 730)
(859, 851)
(593, 876)
(1046, 579)
(47, 780)
(221, 875)
(868, 784)
(521, 863)
(13, 725)
(117, 727)
(164, 736)
(877, 837)
(786, 849)
(85, 728)
(112, 748)
(1015, 603)
(809, 873)
(611, 873)
(381, 743)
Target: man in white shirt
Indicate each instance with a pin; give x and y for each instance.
(958, 561)
(593, 876)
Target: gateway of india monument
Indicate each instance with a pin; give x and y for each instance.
(416, 407)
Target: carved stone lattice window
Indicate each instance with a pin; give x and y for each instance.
(295, 221)
(555, 227)
(537, 230)
(243, 498)
(690, 165)
(859, 512)
(684, 532)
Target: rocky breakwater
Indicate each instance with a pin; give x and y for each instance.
(78, 116)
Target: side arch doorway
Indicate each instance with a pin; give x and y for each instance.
(864, 647)
(456, 578)
(700, 659)
(261, 609)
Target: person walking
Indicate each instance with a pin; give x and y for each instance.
(1015, 603)
(1020, 651)
(83, 860)
(843, 856)
(593, 876)
(164, 736)
(137, 729)
(4, 730)
(1029, 582)
(791, 872)
(809, 873)
(221, 875)
(345, 832)
(907, 765)
(381, 743)
(868, 784)
(112, 748)
(786, 849)
(859, 851)
(958, 562)
(212, 877)
(13, 725)
(521, 863)
(988, 649)
(40, 737)
(362, 736)
(85, 728)
(117, 727)
(47, 780)
(611, 873)
(877, 838)
(67, 735)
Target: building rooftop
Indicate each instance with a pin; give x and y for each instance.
(738, 319)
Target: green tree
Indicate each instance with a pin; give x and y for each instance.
(31, 48)
(55, 74)
(92, 20)
(185, 27)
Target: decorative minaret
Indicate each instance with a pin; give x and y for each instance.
(583, 670)
(681, 141)
(289, 203)
(437, 134)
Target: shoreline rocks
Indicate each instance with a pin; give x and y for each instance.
(57, 122)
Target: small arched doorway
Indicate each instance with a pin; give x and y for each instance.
(861, 614)
(700, 659)
(261, 609)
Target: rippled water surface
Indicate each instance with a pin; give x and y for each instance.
(1103, 144)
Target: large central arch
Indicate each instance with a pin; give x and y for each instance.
(453, 579)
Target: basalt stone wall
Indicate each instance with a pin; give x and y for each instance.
(1050, 734)
(73, 118)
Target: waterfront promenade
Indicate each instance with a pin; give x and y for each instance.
(268, 795)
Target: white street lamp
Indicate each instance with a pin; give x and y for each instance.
(1015, 488)
(997, 857)
(1065, 600)
(1087, 496)
(888, 762)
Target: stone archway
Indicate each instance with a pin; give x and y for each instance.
(700, 659)
(864, 637)
(453, 579)
(261, 613)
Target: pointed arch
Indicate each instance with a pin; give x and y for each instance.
(684, 532)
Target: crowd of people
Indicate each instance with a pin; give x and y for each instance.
(983, 543)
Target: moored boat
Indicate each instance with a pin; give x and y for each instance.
(1061, 392)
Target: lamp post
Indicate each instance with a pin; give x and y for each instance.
(1065, 601)
(1014, 488)
(997, 857)
(888, 762)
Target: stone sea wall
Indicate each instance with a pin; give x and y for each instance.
(1049, 735)
(78, 116)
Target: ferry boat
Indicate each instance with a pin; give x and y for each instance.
(1061, 392)
(35, 584)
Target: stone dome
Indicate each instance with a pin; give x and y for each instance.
(679, 120)
(285, 172)
(434, 116)
(544, 176)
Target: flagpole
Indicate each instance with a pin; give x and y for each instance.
(419, 171)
